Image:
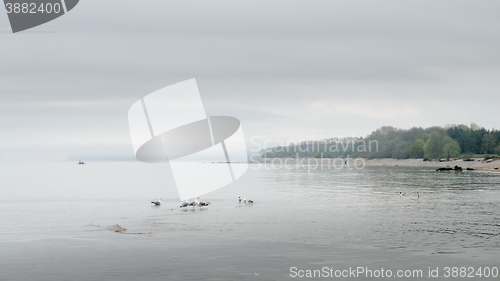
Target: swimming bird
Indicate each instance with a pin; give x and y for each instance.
(239, 199)
(201, 204)
(244, 199)
(418, 195)
(157, 202)
(402, 194)
(204, 204)
(184, 204)
(250, 201)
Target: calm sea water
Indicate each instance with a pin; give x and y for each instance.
(58, 221)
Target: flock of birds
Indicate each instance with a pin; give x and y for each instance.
(194, 203)
(197, 203)
(186, 203)
(245, 200)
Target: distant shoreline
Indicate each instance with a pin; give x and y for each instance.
(477, 164)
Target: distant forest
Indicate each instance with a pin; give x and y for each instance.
(452, 141)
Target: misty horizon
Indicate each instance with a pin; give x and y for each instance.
(324, 69)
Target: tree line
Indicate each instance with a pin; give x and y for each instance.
(452, 141)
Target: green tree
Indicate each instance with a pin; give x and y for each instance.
(417, 149)
(434, 146)
(474, 126)
(328, 154)
(268, 155)
(398, 149)
(451, 148)
(497, 150)
(489, 142)
(468, 155)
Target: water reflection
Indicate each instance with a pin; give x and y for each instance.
(299, 218)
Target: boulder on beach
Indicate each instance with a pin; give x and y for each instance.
(456, 168)
(444, 169)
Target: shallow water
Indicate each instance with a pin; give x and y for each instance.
(62, 221)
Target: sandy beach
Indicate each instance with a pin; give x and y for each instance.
(478, 164)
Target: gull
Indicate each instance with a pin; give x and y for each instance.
(184, 204)
(192, 204)
(204, 204)
(201, 204)
(244, 199)
(250, 201)
(157, 202)
(239, 199)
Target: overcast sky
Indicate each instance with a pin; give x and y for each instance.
(289, 70)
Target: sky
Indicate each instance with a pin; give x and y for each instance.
(289, 70)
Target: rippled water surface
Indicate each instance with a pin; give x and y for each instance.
(62, 221)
